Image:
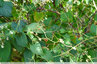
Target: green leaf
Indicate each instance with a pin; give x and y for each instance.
(57, 49)
(47, 21)
(6, 9)
(21, 39)
(31, 36)
(49, 34)
(36, 48)
(93, 54)
(93, 29)
(87, 1)
(14, 13)
(38, 16)
(70, 2)
(13, 25)
(29, 7)
(95, 17)
(47, 55)
(1, 3)
(63, 17)
(66, 16)
(16, 46)
(5, 52)
(55, 28)
(62, 30)
(67, 40)
(69, 15)
(18, 27)
(74, 52)
(95, 1)
(28, 56)
(57, 2)
(35, 27)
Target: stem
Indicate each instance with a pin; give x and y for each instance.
(75, 46)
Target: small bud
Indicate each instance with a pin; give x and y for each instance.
(5, 26)
(46, 40)
(11, 32)
(7, 38)
(2, 46)
(39, 39)
(87, 60)
(36, 34)
(46, 18)
(14, 49)
(89, 56)
(61, 40)
(1, 27)
(32, 32)
(74, 48)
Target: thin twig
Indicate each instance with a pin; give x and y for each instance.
(76, 46)
(40, 8)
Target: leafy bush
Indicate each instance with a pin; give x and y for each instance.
(48, 31)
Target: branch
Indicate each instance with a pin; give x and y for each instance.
(90, 22)
(54, 12)
(40, 8)
(94, 4)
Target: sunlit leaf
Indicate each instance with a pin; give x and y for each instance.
(38, 16)
(36, 48)
(35, 27)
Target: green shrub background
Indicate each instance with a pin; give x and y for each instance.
(48, 31)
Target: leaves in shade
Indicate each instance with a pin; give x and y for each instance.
(57, 2)
(47, 21)
(93, 29)
(62, 30)
(63, 17)
(93, 54)
(21, 39)
(47, 55)
(5, 52)
(28, 56)
(16, 46)
(57, 49)
(69, 15)
(1, 3)
(6, 9)
(66, 16)
(95, 17)
(18, 27)
(55, 28)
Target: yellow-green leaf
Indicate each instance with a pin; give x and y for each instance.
(38, 16)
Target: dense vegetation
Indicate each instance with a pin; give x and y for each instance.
(48, 31)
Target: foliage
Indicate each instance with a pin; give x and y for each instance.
(48, 31)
